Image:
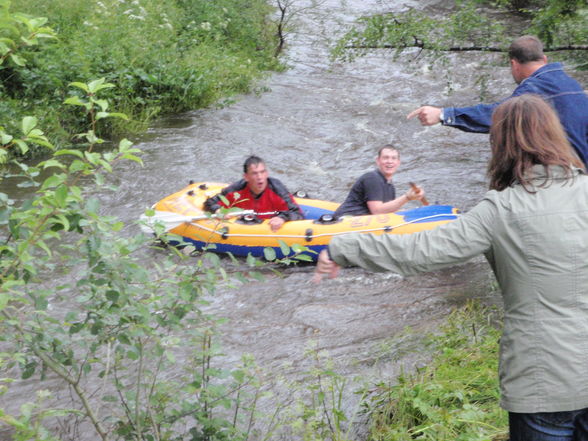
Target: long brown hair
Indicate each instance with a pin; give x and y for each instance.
(526, 131)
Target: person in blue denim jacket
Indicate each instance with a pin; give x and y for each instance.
(533, 74)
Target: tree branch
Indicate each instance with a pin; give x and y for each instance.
(464, 48)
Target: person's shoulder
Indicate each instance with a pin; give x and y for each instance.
(275, 183)
(371, 175)
(273, 180)
(277, 186)
(235, 186)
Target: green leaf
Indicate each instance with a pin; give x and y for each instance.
(45, 34)
(297, 248)
(269, 254)
(22, 145)
(92, 158)
(118, 115)
(97, 85)
(124, 145)
(19, 61)
(107, 166)
(112, 295)
(250, 260)
(284, 248)
(5, 138)
(53, 181)
(79, 85)
(62, 152)
(257, 276)
(51, 163)
(76, 327)
(4, 48)
(44, 246)
(103, 105)
(40, 140)
(29, 370)
(61, 197)
(132, 158)
(77, 165)
(303, 257)
(77, 101)
(4, 299)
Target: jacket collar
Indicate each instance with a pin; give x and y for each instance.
(556, 172)
(550, 67)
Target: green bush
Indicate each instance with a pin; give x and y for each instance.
(165, 56)
(114, 332)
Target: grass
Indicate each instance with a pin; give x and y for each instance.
(456, 396)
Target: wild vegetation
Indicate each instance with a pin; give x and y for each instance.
(165, 56)
(456, 395)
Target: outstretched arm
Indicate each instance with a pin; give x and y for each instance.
(379, 207)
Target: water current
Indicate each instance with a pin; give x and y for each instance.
(318, 125)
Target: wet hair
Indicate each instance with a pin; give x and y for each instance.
(526, 131)
(387, 146)
(252, 160)
(526, 49)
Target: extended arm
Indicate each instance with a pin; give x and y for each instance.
(379, 207)
(407, 254)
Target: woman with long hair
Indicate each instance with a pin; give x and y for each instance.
(533, 228)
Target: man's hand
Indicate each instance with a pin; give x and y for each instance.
(276, 223)
(324, 265)
(415, 192)
(221, 213)
(428, 115)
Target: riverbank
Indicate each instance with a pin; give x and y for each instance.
(456, 395)
(164, 57)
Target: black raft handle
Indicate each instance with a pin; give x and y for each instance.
(224, 231)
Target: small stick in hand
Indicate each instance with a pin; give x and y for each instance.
(424, 200)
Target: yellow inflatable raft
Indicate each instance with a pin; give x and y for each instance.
(181, 214)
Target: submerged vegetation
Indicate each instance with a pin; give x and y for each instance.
(165, 56)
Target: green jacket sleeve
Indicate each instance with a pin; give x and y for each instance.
(408, 254)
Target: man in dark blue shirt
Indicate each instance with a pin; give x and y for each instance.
(533, 74)
(374, 192)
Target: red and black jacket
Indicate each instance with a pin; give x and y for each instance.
(275, 200)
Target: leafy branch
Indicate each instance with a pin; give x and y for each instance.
(469, 28)
(19, 31)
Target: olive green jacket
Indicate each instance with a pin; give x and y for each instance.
(537, 245)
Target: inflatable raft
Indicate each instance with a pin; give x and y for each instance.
(181, 214)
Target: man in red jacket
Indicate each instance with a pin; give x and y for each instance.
(266, 196)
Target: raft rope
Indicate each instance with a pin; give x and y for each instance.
(226, 235)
